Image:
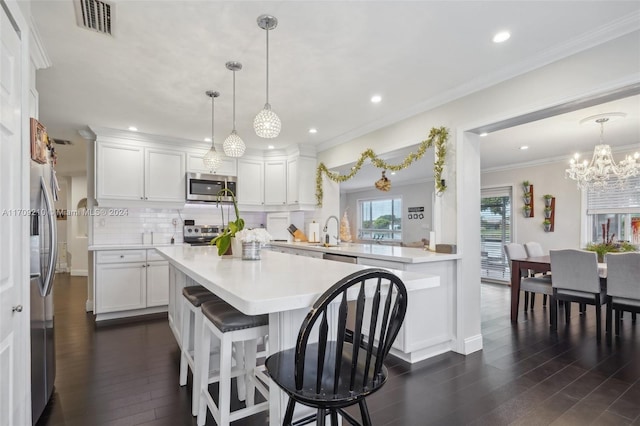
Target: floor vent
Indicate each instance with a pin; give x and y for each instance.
(95, 15)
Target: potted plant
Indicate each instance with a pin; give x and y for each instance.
(608, 245)
(526, 198)
(547, 225)
(547, 212)
(547, 199)
(525, 186)
(526, 211)
(224, 239)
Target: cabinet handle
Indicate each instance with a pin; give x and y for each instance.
(122, 256)
(17, 308)
(144, 266)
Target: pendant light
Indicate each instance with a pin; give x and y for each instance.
(234, 145)
(267, 123)
(212, 159)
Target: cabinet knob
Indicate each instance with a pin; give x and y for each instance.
(144, 266)
(17, 308)
(142, 198)
(122, 256)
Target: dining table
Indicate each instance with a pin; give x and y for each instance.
(538, 264)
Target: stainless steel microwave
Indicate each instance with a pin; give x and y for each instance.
(202, 187)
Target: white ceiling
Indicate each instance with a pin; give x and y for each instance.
(326, 60)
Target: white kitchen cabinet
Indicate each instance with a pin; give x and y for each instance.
(119, 172)
(129, 172)
(195, 164)
(129, 283)
(301, 175)
(164, 175)
(250, 182)
(275, 182)
(120, 286)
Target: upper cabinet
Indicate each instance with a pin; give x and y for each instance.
(301, 175)
(275, 182)
(250, 181)
(165, 175)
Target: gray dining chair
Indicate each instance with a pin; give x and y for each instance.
(623, 286)
(530, 285)
(534, 249)
(576, 279)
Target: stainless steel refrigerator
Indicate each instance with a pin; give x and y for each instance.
(43, 240)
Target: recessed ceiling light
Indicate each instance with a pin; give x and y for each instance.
(483, 134)
(393, 173)
(376, 99)
(313, 130)
(207, 139)
(270, 147)
(133, 128)
(523, 147)
(502, 36)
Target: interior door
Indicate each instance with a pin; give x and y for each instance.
(14, 309)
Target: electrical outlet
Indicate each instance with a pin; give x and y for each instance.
(174, 222)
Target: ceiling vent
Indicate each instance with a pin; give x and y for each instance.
(61, 141)
(95, 15)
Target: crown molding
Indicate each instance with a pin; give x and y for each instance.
(37, 51)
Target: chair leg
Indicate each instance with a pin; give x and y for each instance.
(224, 396)
(239, 357)
(334, 418)
(364, 413)
(250, 350)
(608, 320)
(203, 371)
(533, 300)
(553, 316)
(526, 301)
(583, 308)
(633, 317)
(598, 319)
(288, 414)
(617, 322)
(184, 366)
(567, 311)
(320, 417)
(544, 300)
(197, 331)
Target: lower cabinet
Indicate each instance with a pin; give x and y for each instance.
(130, 282)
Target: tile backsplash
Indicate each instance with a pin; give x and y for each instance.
(128, 225)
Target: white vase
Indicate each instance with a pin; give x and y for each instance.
(236, 247)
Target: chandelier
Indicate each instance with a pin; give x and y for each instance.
(212, 158)
(234, 145)
(267, 123)
(602, 172)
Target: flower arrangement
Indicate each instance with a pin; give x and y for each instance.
(255, 235)
(608, 245)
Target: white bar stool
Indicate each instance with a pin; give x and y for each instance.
(192, 299)
(230, 326)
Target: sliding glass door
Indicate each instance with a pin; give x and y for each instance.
(495, 232)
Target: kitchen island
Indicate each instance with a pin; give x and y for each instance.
(285, 286)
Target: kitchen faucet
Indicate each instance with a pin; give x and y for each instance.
(326, 224)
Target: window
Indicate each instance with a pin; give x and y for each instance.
(495, 232)
(619, 208)
(380, 220)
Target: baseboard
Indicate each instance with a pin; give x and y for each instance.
(472, 344)
(79, 273)
(89, 306)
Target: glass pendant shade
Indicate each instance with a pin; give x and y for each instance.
(267, 123)
(233, 145)
(212, 159)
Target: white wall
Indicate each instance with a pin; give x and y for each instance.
(413, 195)
(62, 204)
(76, 231)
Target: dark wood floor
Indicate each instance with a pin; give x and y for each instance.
(127, 374)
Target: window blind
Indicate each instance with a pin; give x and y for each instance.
(495, 232)
(616, 200)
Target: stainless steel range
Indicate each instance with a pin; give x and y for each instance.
(199, 235)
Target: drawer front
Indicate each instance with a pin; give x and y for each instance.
(120, 256)
(381, 263)
(154, 256)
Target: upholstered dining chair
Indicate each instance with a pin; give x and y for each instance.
(576, 279)
(623, 286)
(534, 249)
(333, 367)
(531, 285)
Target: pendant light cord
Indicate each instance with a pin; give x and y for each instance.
(234, 100)
(213, 117)
(267, 65)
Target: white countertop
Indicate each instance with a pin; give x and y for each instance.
(276, 283)
(375, 251)
(98, 247)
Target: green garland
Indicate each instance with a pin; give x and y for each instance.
(440, 136)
